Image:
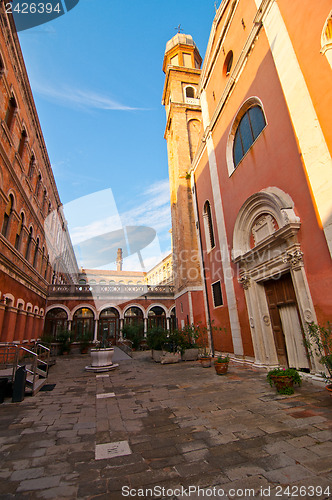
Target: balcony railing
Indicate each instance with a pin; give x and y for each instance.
(106, 290)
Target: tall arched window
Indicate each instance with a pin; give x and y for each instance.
(30, 237)
(38, 185)
(208, 226)
(19, 233)
(35, 257)
(7, 216)
(326, 39)
(250, 126)
(31, 166)
(11, 110)
(22, 143)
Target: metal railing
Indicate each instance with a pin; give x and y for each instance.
(36, 362)
(117, 289)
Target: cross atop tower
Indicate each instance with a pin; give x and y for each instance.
(179, 29)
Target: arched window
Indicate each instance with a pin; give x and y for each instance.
(208, 226)
(38, 185)
(35, 257)
(250, 126)
(82, 281)
(109, 325)
(228, 63)
(11, 110)
(190, 92)
(19, 233)
(134, 316)
(30, 237)
(31, 166)
(157, 317)
(56, 320)
(2, 66)
(22, 143)
(83, 323)
(7, 216)
(326, 39)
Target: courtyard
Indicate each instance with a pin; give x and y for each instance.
(148, 430)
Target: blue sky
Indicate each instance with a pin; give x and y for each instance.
(96, 75)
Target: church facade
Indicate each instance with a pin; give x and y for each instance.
(254, 167)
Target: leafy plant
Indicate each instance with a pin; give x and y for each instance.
(222, 359)
(291, 373)
(85, 339)
(133, 333)
(320, 343)
(156, 338)
(63, 337)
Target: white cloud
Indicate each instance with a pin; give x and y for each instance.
(85, 99)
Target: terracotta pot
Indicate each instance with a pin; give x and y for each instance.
(206, 361)
(329, 388)
(221, 368)
(282, 382)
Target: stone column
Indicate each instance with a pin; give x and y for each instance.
(8, 327)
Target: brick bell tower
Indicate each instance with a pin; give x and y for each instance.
(181, 66)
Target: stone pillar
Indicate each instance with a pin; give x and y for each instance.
(168, 324)
(2, 315)
(8, 327)
(29, 326)
(95, 336)
(145, 326)
(20, 325)
(121, 327)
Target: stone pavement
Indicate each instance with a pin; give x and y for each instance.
(165, 426)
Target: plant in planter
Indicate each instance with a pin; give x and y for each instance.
(134, 334)
(320, 343)
(284, 379)
(85, 339)
(221, 365)
(63, 338)
(171, 350)
(188, 342)
(156, 338)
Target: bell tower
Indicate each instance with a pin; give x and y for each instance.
(181, 66)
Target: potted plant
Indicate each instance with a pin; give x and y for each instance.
(320, 343)
(156, 338)
(284, 379)
(63, 338)
(171, 349)
(85, 339)
(133, 333)
(221, 364)
(102, 353)
(188, 341)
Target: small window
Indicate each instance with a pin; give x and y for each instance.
(208, 226)
(27, 253)
(23, 141)
(228, 63)
(7, 216)
(190, 92)
(38, 185)
(251, 125)
(12, 106)
(217, 294)
(31, 166)
(35, 257)
(19, 232)
(2, 66)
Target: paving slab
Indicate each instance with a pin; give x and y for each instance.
(167, 427)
